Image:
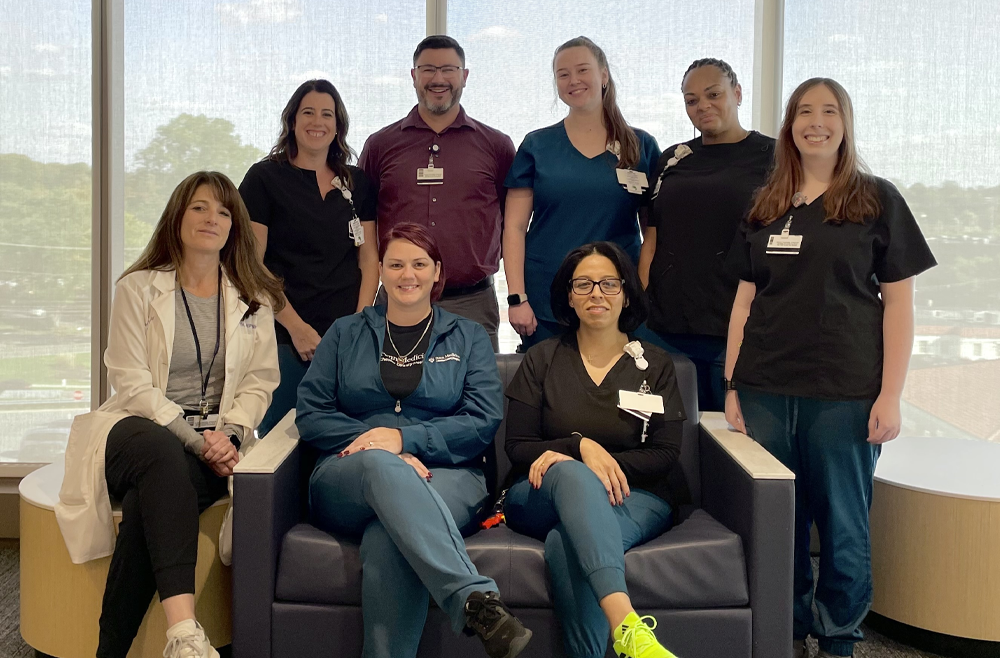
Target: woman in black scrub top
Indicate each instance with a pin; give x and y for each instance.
(696, 204)
(314, 218)
(819, 342)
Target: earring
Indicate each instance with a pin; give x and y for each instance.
(604, 87)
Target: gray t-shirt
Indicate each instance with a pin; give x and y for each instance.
(184, 379)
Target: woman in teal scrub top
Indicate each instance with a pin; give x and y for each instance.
(578, 181)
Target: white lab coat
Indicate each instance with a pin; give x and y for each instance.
(140, 340)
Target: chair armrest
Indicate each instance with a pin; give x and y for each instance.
(753, 494)
(267, 501)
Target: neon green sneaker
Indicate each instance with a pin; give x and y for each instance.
(635, 639)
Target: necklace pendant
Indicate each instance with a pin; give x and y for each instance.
(399, 407)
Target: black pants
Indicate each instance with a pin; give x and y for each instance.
(162, 490)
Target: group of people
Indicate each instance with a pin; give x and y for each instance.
(363, 298)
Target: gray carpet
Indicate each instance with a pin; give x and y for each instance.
(12, 646)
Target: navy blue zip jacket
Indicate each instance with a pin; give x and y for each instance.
(452, 416)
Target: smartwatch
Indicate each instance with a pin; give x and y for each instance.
(516, 298)
(728, 385)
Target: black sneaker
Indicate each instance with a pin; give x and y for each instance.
(502, 634)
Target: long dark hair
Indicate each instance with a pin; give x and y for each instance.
(636, 305)
(421, 237)
(614, 122)
(339, 153)
(165, 250)
(852, 195)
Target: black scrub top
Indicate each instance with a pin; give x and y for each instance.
(815, 325)
(697, 211)
(308, 241)
(552, 396)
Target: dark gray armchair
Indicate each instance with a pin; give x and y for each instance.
(719, 582)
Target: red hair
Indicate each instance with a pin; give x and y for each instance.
(420, 237)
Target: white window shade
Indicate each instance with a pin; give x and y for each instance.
(45, 225)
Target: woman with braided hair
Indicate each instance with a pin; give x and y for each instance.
(699, 192)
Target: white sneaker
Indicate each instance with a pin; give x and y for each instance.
(186, 639)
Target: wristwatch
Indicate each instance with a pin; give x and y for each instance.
(728, 385)
(516, 298)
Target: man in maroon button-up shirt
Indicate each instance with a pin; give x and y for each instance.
(462, 207)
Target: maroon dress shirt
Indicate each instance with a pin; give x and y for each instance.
(464, 213)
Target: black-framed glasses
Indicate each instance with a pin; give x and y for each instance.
(429, 70)
(584, 286)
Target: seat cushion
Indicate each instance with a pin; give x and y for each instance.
(697, 564)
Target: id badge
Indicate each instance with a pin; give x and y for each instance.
(641, 405)
(430, 176)
(199, 422)
(784, 244)
(633, 181)
(356, 231)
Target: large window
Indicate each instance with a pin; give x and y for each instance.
(45, 225)
(923, 78)
(205, 83)
(649, 44)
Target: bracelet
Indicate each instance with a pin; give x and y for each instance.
(728, 384)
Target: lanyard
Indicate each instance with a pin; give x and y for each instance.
(203, 376)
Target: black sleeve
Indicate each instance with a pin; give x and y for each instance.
(903, 251)
(255, 196)
(653, 460)
(364, 195)
(738, 262)
(647, 196)
(525, 443)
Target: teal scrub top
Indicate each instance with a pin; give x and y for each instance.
(576, 200)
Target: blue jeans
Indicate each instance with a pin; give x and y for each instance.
(824, 443)
(411, 541)
(292, 369)
(585, 543)
(708, 353)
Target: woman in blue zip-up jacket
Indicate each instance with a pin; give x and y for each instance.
(402, 401)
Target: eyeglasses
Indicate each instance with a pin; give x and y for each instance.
(429, 70)
(583, 286)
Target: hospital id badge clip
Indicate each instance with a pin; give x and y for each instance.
(642, 405)
(785, 243)
(633, 181)
(356, 231)
(431, 175)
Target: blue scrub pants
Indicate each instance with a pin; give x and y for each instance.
(708, 353)
(824, 443)
(585, 543)
(411, 544)
(292, 369)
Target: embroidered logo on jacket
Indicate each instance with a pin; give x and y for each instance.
(446, 357)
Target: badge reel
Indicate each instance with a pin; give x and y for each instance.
(785, 243)
(354, 228)
(642, 405)
(431, 175)
(633, 181)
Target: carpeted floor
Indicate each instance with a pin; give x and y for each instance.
(12, 646)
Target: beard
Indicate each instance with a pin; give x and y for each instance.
(449, 101)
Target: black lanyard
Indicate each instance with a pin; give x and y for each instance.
(203, 376)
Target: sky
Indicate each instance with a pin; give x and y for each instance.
(924, 75)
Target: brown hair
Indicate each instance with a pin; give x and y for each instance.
(618, 129)
(852, 195)
(165, 251)
(339, 153)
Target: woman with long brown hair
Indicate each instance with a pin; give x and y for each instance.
(314, 218)
(819, 342)
(191, 358)
(578, 181)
